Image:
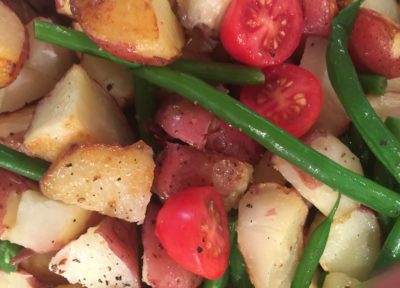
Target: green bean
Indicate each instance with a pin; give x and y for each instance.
(394, 126)
(219, 283)
(144, 108)
(216, 72)
(227, 73)
(373, 84)
(313, 251)
(8, 251)
(22, 164)
(390, 252)
(275, 139)
(238, 273)
(344, 79)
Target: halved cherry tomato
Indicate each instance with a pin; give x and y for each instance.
(262, 32)
(291, 98)
(192, 226)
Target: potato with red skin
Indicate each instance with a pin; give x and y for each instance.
(143, 31)
(375, 44)
(318, 16)
(159, 269)
(14, 45)
(179, 167)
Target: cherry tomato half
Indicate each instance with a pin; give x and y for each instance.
(262, 32)
(291, 98)
(192, 226)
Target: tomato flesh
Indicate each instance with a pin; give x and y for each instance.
(192, 226)
(262, 32)
(291, 98)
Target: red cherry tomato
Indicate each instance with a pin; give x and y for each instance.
(192, 226)
(262, 32)
(291, 98)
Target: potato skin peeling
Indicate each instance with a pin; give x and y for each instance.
(111, 180)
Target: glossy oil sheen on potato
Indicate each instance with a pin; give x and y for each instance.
(138, 30)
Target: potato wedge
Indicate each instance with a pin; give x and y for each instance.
(111, 180)
(105, 256)
(386, 105)
(339, 280)
(205, 14)
(113, 77)
(13, 45)
(77, 111)
(45, 66)
(320, 195)
(63, 223)
(137, 30)
(270, 233)
(353, 244)
(18, 279)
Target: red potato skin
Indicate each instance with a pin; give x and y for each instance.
(122, 239)
(162, 271)
(371, 44)
(192, 124)
(179, 167)
(185, 121)
(318, 16)
(11, 183)
(228, 140)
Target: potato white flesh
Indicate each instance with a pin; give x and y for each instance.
(38, 266)
(388, 8)
(70, 286)
(13, 45)
(44, 67)
(205, 14)
(386, 105)
(333, 118)
(18, 279)
(353, 244)
(113, 77)
(111, 180)
(270, 233)
(137, 30)
(63, 7)
(14, 125)
(339, 280)
(105, 256)
(43, 225)
(320, 195)
(77, 111)
(393, 85)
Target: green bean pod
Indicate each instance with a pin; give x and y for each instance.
(313, 251)
(22, 164)
(219, 283)
(238, 273)
(216, 72)
(275, 139)
(373, 84)
(145, 107)
(344, 79)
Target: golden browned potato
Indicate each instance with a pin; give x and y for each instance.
(137, 30)
(13, 45)
(111, 180)
(77, 111)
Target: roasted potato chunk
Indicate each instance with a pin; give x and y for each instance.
(111, 180)
(137, 30)
(13, 45)
(77, 111)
